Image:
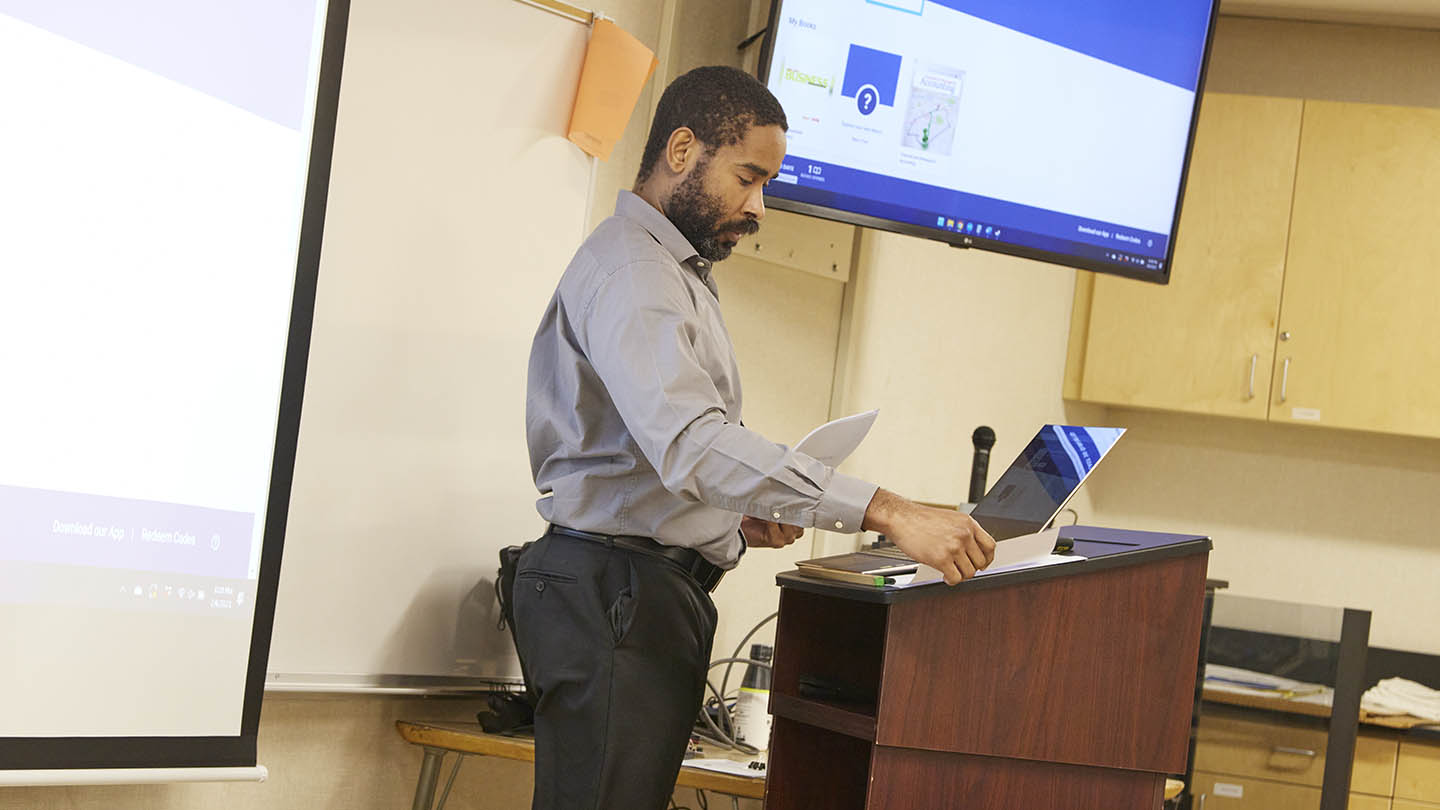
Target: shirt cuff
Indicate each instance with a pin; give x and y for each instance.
(842, 506)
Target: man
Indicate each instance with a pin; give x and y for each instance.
(633, 422)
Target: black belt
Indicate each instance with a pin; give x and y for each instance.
(705, 573)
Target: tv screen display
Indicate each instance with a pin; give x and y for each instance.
(1048, 129)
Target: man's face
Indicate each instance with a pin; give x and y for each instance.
(721, 198)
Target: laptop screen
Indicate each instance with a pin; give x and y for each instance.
(1042, 478)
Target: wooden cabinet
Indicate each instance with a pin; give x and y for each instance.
(1205, 343)
(1417, 772)
(1360, 801)
(1363, 276)
(1229, 792)
(1224, 791)
(1267, 761)
(1260, 761)
(1305, 276)
(1234, 744)
(1373, 770)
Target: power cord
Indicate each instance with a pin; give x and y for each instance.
(700, 800)
(722, 733)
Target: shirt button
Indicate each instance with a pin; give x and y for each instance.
(839, 524)
(775, 515)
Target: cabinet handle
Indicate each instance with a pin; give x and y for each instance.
(1285, 749)
(1202, 801)
(1284, 379)
(1253, 359)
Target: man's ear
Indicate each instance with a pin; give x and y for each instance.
(681, 150)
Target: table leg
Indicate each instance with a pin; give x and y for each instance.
(449, 783)
(429, 773)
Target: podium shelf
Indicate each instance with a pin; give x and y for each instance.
(852, 720)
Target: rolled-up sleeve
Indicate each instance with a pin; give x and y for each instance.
(638, 330)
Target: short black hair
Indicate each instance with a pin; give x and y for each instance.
(719, 104)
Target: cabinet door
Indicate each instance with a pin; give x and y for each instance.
(1417, 773)
(1191, 345)
(1361, 283)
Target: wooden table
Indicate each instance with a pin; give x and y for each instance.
(439, 739)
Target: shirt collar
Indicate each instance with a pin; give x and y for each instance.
(633, 207)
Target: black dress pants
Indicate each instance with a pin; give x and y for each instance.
(615, 644)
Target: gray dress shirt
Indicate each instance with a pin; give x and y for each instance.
(632, 411)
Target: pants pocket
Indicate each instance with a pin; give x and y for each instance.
(537, 580)
(622, 609)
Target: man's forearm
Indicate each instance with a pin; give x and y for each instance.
(883, 509)
(946, 539)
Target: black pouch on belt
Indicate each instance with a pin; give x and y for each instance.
(506, 712)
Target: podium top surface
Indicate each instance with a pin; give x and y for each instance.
(1101, 547)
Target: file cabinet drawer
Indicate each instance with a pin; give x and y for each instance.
(1417, 772)
(1225, 792)
(1289, 752)
(1276, 751)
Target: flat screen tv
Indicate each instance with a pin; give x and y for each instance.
(1049, 129)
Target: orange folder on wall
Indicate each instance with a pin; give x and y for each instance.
(617, 66)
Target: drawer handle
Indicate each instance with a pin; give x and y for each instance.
(1285, 749)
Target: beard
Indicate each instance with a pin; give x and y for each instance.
(698, 216)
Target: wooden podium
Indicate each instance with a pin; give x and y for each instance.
(1070, 686)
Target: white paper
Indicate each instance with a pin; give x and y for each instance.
(730, 766)
(833, 442)
(1262, 684)
(1025, 551)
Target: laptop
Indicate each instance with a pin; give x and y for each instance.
(1025, 499)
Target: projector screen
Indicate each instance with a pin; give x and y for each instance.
(164, 168)
(1048, 129)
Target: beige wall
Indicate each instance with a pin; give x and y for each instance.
(339, 752)
(1309, 515)
(784, 325)
(942, 340)
(342, 751)
(1301, 514)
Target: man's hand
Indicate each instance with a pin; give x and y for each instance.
(764, 534)
(951, 542)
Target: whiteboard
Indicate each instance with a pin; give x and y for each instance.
(455, 203)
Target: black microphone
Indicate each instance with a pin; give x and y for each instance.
(983, 439)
